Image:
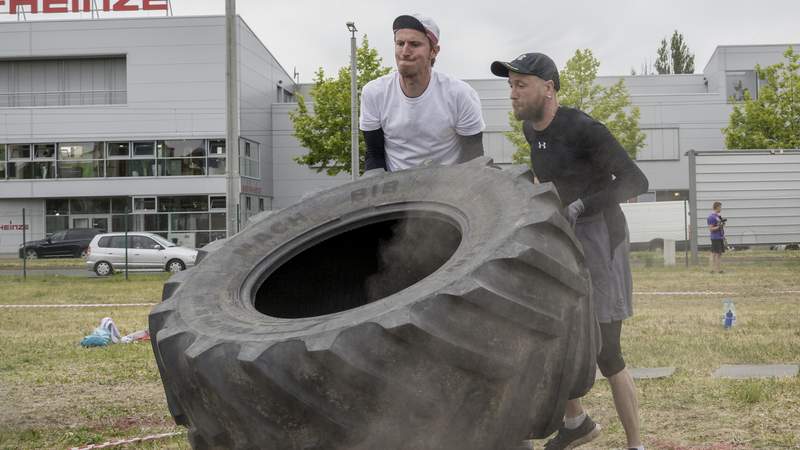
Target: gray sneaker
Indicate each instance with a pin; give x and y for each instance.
(567, 439)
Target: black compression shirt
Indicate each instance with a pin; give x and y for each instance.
(584, 160)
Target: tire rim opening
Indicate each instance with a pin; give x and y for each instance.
(358, 267)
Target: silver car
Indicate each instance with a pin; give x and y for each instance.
(146, 251)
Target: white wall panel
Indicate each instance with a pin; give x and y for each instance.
(11, 222)
(759, 191)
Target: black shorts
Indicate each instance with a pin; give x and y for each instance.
(610, 360)
(718, 246)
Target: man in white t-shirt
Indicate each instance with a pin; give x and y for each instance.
(417, 114)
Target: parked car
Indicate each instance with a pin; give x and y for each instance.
(146, 251)
(67, 243)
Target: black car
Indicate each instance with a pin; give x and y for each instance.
(67, 243)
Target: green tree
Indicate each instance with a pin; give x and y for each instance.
(674, 56)
(326, 131)
(772, 120)
(609, 105)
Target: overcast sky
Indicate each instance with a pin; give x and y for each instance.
(623, 34)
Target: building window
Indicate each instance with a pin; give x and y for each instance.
(23, 165)
(181, 158)
(248, 203)
(90, 206)
(141, 164)
(216, 166)
(44, 151)
(194, 148)
(118, 149)
(153, 223)
(19, 151)
(217, 203)
(57, 215)
(249, 159)
(218, 221)
(81, 160)
(63, 82)
(216, 148)
(54, 224)
(672, 195)
(739, 82)
(261, 204)
(181, 167)
(144, 204)
(2, 161)
(144, 149)
(121, 205)
(192, 157)
(18, 170)
(660, 144)
(183, 203)
(189, 221)
(216, 157)
(56, 207)
(131, 167)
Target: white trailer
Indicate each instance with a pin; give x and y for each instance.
(657, 220)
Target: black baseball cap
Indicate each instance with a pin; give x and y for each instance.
(537, 64)
(420, 23)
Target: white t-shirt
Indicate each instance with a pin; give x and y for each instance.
(425, 127)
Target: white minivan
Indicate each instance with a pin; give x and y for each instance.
(146, 251)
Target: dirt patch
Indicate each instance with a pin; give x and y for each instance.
(41, 406)
(128, 423)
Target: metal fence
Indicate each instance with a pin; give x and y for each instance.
(759, 191)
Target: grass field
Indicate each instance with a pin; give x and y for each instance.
(55, 394)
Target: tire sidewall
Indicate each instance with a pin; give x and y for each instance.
(486, 203)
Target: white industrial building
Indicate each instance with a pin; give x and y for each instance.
(99, 118)
(103, 119)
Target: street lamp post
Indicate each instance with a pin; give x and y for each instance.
(232, 126)
(354, 154)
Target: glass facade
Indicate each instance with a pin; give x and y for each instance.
(191, 221)
(27, 162)
(118, 159)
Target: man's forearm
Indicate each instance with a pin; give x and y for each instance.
(471, 147)
(629, 182)
(375, 157)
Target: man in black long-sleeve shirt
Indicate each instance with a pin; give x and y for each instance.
(593, 174)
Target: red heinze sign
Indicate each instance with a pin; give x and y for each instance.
(67, 6)
(12, 227)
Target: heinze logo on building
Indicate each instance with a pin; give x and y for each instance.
(68, 6)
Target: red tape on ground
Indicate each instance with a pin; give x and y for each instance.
(89, 305)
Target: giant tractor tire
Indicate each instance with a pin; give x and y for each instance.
(434, 308)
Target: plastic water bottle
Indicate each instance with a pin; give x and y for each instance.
(728, 314)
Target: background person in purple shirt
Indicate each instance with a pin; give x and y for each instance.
(716, 224)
